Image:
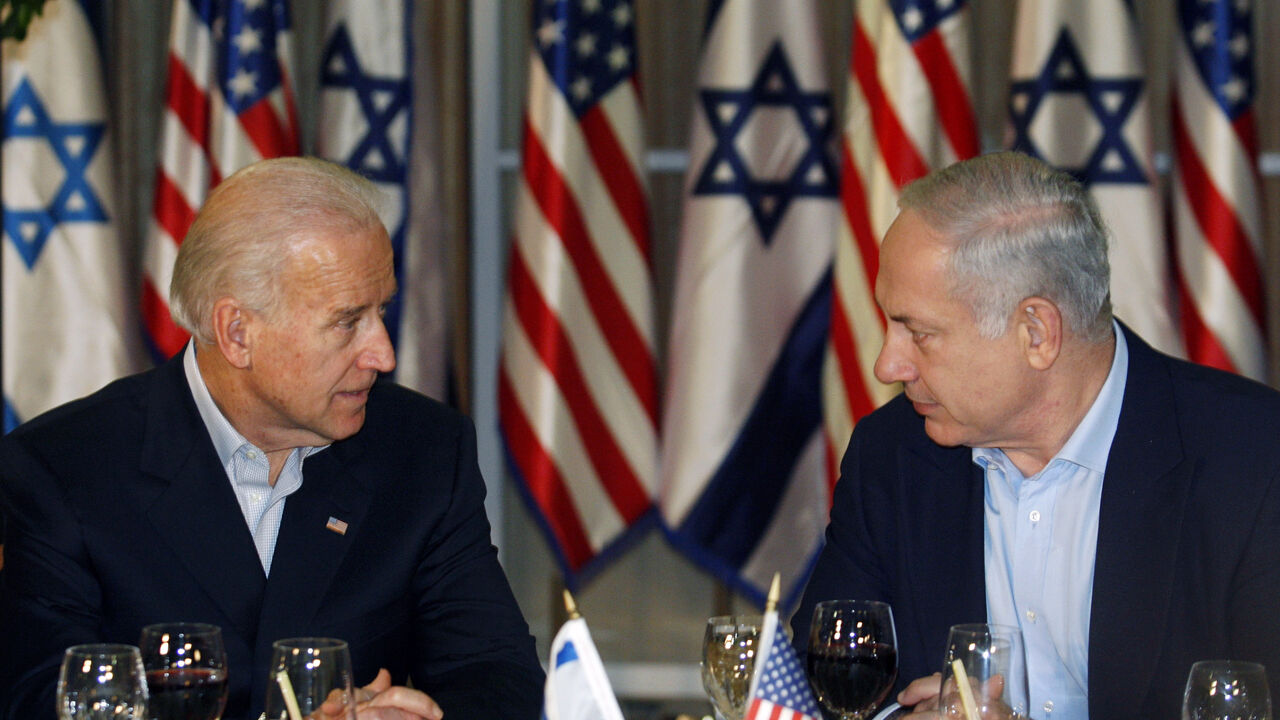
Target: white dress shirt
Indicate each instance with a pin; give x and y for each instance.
(247, 468)
(1040, 540)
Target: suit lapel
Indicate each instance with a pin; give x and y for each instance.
(194, 508)
(1144, 499)
(320, 522)
(944, 552)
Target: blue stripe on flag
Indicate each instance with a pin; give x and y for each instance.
(567, 654)
(713, 13)
(10, 417)
(739, 502)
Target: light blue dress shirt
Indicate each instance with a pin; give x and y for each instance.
(247, 467)
(1040, 539)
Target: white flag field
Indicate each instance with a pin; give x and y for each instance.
(375, 118)
(1079, 101)
(743, 488)
(66, 328)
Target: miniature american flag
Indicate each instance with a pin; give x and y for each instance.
(782, 690)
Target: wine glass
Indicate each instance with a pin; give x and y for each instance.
(728, 658)
(306, 673)
(853, 657)
(102, 682)
(1227, 690)
(984, 673)
(186, 668)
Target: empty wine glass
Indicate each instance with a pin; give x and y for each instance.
(728, 658)
(186, 668)
(306, 673)
(853, 657)
(102, 682)
(984, 673)
(1226, 690)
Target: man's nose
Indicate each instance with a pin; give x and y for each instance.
(379, 354)
(893, 363)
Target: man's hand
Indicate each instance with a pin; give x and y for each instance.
(380, 700)
(922, 696)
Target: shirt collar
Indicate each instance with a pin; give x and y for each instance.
(1090, 443)
(226, 440)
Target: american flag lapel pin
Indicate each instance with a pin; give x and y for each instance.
(336, 525)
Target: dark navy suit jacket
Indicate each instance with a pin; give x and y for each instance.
(1188, 559)
(121, 515)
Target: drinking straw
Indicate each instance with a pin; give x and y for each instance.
(290, 699)
(966, 692)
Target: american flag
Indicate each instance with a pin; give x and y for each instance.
(577, 394)
(1217, 219)
(780, 688)
(909, 112)
(229, 102)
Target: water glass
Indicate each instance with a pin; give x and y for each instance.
(729, 648)
(984, 673)
(306, 673)
(102, 682)
(1227, 690)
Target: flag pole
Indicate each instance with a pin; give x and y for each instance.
(775, 590)
(570, 606)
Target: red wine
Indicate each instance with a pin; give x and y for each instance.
(195, 694)
(854, 683)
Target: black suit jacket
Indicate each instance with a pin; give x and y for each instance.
(121, 515)
(1188, 558)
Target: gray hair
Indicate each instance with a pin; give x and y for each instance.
(1019, 228)
(239, 244)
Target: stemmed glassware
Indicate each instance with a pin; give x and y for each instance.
(853, 657)
(729, 649)
(186, 666)
(1226, 690)
(306, 673)
(984, 673)
(102, 682)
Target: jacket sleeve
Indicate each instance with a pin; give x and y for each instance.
(476, 656)
(49, 599)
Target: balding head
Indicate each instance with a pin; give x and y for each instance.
(238, 244)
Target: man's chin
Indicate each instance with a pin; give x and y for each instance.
(944, 434)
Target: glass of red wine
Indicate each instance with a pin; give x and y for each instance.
(186, 666)
(853, 656)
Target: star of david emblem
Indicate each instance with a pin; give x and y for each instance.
(726, 171)
(74, 145)
(1111, 101)
(381, 100)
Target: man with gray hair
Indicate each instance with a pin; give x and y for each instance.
(266, 481)
(1044, 467)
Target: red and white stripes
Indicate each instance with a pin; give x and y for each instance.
(909, 112)
(204, 139)
(577, 389)
(1217, 230)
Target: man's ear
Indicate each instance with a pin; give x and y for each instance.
(1039, 325)
(231, 332)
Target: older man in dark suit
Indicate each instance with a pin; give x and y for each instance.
(265, 480)
(1044, 467)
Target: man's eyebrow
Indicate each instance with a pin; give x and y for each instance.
(343, 313)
